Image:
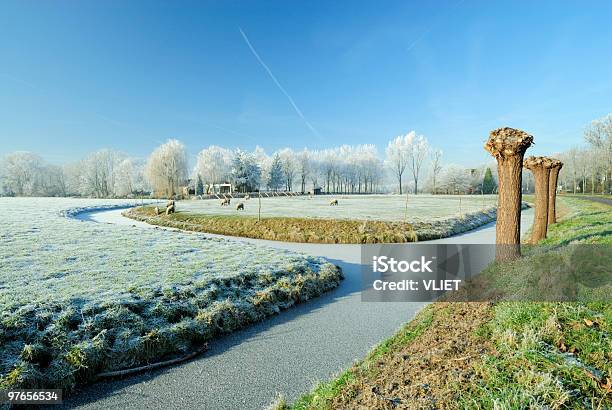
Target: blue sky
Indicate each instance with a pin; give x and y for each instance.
(79, 76)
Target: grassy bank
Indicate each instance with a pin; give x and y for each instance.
(314, 230)
(495, 355)
(81, 298)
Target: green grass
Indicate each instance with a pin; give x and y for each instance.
(538, 354)
(555, 354)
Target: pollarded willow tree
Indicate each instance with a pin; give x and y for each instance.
(552, 190)
(508, 146)
(540, 167)
(166, 168)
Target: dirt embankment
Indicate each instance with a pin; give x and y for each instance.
(421, 374)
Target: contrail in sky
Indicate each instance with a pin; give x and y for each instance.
(280, 87)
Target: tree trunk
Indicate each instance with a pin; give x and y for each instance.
(552, 193)
(540, 221)
(508, 146)
(508, 228)
(400, 183)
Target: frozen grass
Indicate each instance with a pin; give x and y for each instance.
(421, 208)
(78, 298)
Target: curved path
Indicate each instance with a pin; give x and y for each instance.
(287, 353)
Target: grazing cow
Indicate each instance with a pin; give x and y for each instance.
(157, 211)
(333, 202)
(240, 206)
(225, 202)
(247, 197)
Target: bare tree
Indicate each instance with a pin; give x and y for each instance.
(599, 135)
(397, 156)
(303, 167)
(288, 161)
(436, 167)
(417, 153)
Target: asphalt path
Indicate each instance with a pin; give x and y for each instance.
(288, 353)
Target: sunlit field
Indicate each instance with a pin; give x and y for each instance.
(421, 208)
(78, 297)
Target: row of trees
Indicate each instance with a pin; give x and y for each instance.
(349, 169)
(102, 174)
(345, 169)
(588, 169)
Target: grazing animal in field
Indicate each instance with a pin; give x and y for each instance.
(333, 202)
(247, 197)
(170, 207)
(225, 202)
(240, 206)
(157, 211)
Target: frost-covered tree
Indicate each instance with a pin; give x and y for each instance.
(328, 165)
(52, 181)
(315, 169)
(214, 165)
(599, 135)
(417, 152)
(303, 163)
(99, 171)
(264, 162)
(436, 167)
(398, 155)
(125, 178)
(21, 173)
(288, 161)
(245, 172)
(166, 168)
(455, 179)
(276, 177)
(27, 174)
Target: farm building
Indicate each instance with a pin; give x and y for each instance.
(219, 188)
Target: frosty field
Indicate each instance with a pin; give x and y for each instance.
(363, 207)
(78, 298)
